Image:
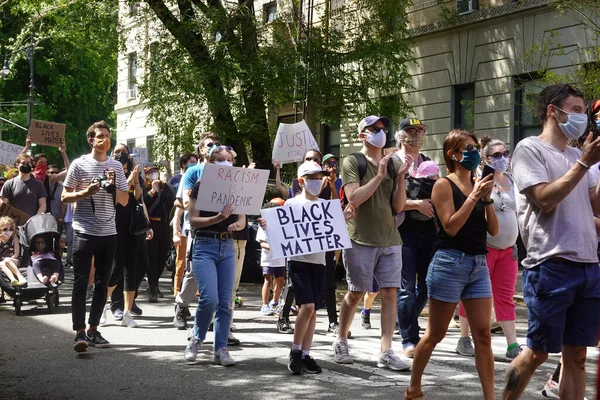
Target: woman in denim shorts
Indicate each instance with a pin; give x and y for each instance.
(458, 270)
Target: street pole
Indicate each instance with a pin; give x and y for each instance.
(30, 100)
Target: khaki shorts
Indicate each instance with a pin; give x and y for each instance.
(362, 263)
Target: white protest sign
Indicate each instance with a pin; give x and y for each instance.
(140, 155)
(8, 152)
(292, 141)
(296, 229)
(243, 188)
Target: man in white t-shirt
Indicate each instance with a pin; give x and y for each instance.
(556, 196)
(95, 233)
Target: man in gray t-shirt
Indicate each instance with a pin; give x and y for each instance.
(24, 192)
(556, 196)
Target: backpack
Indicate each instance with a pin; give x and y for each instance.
(362, 170)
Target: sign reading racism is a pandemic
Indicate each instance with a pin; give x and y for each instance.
(243, 188)
(8, 152)
(292, 141)
(314, 227)
(47, 133)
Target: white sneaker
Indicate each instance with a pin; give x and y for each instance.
(128, 320)
(103, 317)
(266, 310)
(550, 389)
(341, 353)
(390, 360)
(191, 350)
(222, 357)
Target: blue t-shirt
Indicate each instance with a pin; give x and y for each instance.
(191, 176)
(174, 182)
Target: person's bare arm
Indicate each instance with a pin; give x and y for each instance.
(239, 224)
(357, 194)
(27, 145)
(399, 198)
(283, 191)
(41, 205)
(69, 195)
(196, 221)
(63, 174)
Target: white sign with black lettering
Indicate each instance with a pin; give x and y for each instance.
(8, 152)
(312, 227)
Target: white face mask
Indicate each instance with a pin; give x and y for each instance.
(313, 186)
(225, 163)
(500, 164)
(377, 139)
(154, 176)
(575, 125)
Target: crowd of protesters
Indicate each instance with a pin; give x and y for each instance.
(417, 240)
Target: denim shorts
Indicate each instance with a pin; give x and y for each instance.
(454, 276)
(563, 298)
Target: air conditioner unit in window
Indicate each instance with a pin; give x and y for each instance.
(131, 94)
(466, 6)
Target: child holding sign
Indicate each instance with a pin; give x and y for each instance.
(308, 276)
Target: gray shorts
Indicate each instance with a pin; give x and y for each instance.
(362, 263)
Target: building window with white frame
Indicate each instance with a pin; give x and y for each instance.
(270, 12)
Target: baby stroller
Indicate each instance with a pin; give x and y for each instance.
(39, 225)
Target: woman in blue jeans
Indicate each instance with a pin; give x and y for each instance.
(458, 270)
(213, 264)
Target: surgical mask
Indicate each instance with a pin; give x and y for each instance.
(191, 165)
(25, 168)
(470, 159)
(225, 163)
(313, 186)
(575, 125)
(500, 164)
(102, 145)
(154, 176)
(377, 139)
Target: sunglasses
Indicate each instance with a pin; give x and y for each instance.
(373, 129)
(471, 147)
(331, 164)
(315, 159)
(7, 230)
(211, 144)
(52, 172)
(498, 154)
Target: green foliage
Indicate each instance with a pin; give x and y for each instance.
(220, 67)
(75, 66)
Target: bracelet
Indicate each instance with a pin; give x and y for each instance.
(487, 203)
(470, 198)
(584, 165)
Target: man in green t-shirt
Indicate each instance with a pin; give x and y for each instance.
(376, 244)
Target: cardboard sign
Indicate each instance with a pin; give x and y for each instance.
(292, 141)
(18, 216)
(47, 133)
(243, 188)
(8, 153)
(296, 229)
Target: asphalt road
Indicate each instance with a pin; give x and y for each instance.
(37, 360)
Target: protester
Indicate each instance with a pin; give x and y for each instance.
(10, 252)
(418, 231)
(54, 190)
(69, 234)
(159, 200)
(377, 193)
(213, 264)
(24, 193)
(557, 195)
(185, 161)
(94, 181)
(458, 270)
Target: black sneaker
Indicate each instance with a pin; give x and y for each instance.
(365, 321)
(232, 340)
(295, 365)
(81, 344)
(152, 295)
(95, 339)
(283, 326)
(310, 365)
(187, 313)
(179, 320)
(159, 294)
(135, 310)
(211, 326)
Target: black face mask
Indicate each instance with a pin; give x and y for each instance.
(122, 157)
(25, 168)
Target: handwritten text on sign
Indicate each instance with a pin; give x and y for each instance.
(8, 152)
(243, 188)
(47, 133)
(18, 216)
(314, 227)
(292, 141)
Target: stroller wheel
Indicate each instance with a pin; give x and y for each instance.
(50, 302)
(56, 298)
(17, 303)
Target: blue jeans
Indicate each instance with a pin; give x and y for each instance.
(417, 250)
(213, 264)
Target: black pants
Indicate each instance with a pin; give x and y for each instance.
(330, 287)
(125, 263)
(102, 248)
(158, 251)
(117, 297)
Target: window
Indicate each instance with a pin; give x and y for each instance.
(134, 8)
(132, 70)
(333, 138)
(526, 121)
(150, 147)
(466, 6)
(130, 144)
(270, 12)
(464, 107)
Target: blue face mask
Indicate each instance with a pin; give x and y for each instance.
(598, 124)
(470, 159)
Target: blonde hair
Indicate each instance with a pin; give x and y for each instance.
(7, 221)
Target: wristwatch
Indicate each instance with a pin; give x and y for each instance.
(487, 203)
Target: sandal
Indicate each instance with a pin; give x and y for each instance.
(413, 396)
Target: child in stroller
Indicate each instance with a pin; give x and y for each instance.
(9, 252)
(44, 263)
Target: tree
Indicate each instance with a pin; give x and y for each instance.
(216, 65)
(75, 65)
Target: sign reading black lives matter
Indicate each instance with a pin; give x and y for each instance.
(296, 229)
(243, 188)
(47, 133)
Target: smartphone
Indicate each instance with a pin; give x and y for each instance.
(487, 170)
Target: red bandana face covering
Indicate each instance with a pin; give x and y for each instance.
(40, 172)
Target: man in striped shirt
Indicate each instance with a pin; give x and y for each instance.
(95, 233)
